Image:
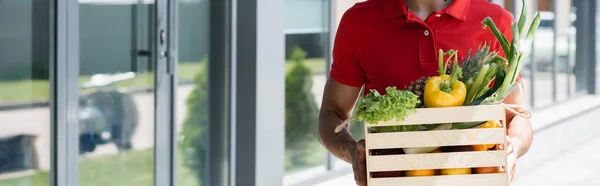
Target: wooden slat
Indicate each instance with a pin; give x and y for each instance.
(450, 115)
(454, 180)
(366, 132)
(435, 138)
(436, 161)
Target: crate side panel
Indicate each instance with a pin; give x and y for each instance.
(454, 180)
(435, 138)
(450, 115)
(436, 161)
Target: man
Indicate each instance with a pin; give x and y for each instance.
(381, 43)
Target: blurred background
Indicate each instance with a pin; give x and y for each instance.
(210, 93)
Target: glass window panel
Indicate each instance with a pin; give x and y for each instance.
(565, 49)
(543, 54)
(116, 114)
(192, 93)
(357, 129)
(528, 79)
(306, 56)
(26, 53)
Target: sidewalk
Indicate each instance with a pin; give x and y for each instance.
(580, 167)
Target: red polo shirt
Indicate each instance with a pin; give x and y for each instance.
(379, 43)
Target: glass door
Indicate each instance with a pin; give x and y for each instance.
(26, 54)
(117, 92)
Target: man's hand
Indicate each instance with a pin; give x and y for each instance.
(512, 156)
(519, 133)
(359, 163)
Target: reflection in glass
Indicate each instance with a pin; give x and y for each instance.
(192, 96)
(306, 30)
(116, 114)
(25, 57)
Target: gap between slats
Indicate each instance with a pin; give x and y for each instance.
(435, 138)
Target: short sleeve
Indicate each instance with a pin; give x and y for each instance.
(345, 68)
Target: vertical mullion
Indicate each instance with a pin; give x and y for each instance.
(66, 95)
(569, 61)
(585, 44)
(173, 35)
(163, 153)
(569, 69)
(245, 102)
(554, 52)
(533, 68)
(331, 35)
(218, 93)
(329, 59)
(594, 84)
(233, 17)
(592, 79)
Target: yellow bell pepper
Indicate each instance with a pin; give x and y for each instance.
(440, 93)
(488, 124)
(445, 90)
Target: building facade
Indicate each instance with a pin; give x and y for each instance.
(221, 92)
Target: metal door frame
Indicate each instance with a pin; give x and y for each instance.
(64, 75)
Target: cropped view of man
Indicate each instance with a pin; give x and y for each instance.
(382, 43)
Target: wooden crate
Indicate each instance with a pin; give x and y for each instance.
(403, 162)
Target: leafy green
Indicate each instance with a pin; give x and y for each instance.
(395, 104)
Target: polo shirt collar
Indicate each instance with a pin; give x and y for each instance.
(459, 9)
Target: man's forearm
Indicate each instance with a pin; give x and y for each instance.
(339, 144)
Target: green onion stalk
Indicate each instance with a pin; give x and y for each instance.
(516, 52)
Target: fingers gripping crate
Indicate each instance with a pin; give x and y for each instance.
(439, 138)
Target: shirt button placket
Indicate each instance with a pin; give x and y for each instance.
(426, 48)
